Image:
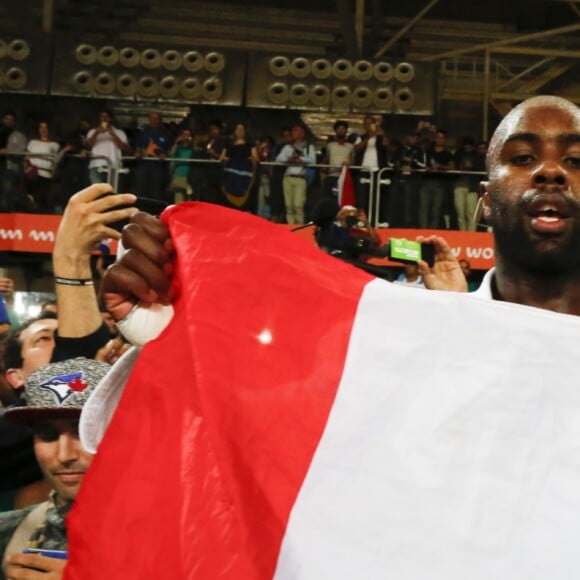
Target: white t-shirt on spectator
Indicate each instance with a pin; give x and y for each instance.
(45, 166)
(105, 147)
(370, 158)
(338, 153)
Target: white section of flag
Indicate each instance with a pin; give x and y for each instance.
(433, 466)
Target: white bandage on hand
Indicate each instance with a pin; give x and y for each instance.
(143, 324)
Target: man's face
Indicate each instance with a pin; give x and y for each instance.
(533, 196)
(104, 117)
(154, 120)
(240, 131)
(345, 215)
(43, 130)
(286, 136)
(340, 132)
(214, 131)
(370, 124)
(60, 455)
(9, 121)
(297, 133)
(440, 139)
(37, 345)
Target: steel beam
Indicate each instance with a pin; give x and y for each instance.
(394, 39)
(507, 41)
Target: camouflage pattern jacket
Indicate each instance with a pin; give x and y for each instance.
(49, 535)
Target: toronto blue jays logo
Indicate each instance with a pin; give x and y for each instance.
(63, 386)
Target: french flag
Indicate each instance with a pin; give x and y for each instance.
(345, 187)
(300, 420)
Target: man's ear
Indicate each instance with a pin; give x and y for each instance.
(484, 193)
(15, 378)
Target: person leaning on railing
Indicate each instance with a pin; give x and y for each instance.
(105, 142)
(297, 154)
(45, 156)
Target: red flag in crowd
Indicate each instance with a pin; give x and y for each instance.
(301, 420)
(346, 187)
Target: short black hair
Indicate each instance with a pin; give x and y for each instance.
(12, 356)
(338, 124)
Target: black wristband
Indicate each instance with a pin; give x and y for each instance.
(74, 281)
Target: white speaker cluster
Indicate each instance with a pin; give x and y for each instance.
(148, 73)
(148, 86)
(13, 53)
(340, 84)
(341, 69)
(150, 58)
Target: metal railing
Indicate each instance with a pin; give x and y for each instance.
(388, 175)
(377, 181)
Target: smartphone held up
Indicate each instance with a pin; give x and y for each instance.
(401, 250)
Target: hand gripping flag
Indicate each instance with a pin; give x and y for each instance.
(300, 420)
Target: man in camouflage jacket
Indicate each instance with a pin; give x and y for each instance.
(54, 396)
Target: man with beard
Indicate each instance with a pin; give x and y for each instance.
(339, 152)
(532, 200)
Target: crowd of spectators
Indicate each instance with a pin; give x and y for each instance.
(423, 182)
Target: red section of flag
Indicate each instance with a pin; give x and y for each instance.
(217, 427)
(346, 187)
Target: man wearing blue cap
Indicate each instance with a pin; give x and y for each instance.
(33, 539)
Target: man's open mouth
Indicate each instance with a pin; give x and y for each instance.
(549, 211)
(548, 214)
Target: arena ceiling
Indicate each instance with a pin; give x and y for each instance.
(413, 29)
(355, 28)
(497, 50)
